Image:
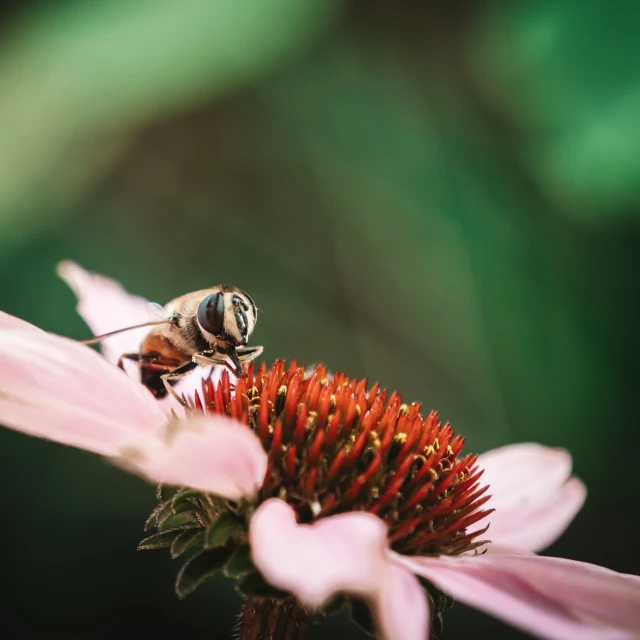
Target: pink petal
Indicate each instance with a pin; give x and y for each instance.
(521, 473)
(498, 550)
(213, 454)
(105, 306)
(549, 597)
(533, 501)
(537, 525)
(345, 553)
(401, 607)
(58, 389)
(341, 553)
(8, 321)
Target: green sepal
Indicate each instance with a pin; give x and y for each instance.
(240, 562)
(159, 540)
(185, 494)
(255, 586)
(184, 520)
(360, 615)
(151, 521)
(186, 540)
(438, 602)
(222, 529)
(163, 491)
(166, 510)
(197, 569)
(157, 515)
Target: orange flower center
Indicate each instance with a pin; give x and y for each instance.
(336, 446)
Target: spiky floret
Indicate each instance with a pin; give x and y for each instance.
(335, 446)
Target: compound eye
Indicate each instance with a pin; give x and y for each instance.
(240, 315)
(211, 314)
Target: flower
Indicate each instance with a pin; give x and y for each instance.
(334, 489)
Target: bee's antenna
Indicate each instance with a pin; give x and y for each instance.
(113, 333)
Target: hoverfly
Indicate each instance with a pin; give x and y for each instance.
(209, 328)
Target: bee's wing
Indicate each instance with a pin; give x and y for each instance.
(155, 315)
(109, 310)
(156, 311)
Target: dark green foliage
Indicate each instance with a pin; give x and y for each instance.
(178, 520)
(202, 566)
(187, 521)
(240, 562)
(160, 540)
(185, 541)
(223, 528)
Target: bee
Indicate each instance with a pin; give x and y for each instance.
(204, 328)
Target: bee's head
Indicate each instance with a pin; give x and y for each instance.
(228, 315)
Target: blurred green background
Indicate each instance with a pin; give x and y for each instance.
(441, 196)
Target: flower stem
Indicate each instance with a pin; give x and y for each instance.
(266, 619)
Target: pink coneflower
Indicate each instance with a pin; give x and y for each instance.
(314, 490)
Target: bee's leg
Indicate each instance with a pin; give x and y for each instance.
(217, 358)
(151, 360)
(247, 354)
(177, 373)
(134, 357)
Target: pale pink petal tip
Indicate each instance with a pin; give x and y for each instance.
(105, 306)
(61, 390)
(519, 472)
(211, 453)
(341, 553)
(537, 525)
(548, 597)
(534, 498)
